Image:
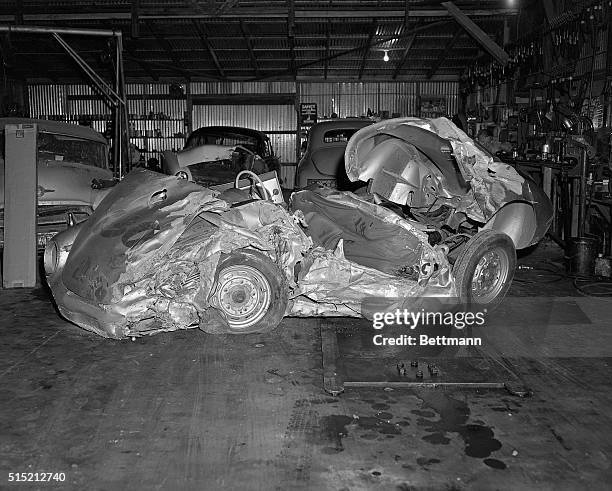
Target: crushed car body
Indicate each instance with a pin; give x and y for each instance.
(161, 253)
(147, 261)
(431, 163)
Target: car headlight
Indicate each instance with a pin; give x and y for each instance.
(182, 175)
(51, 257)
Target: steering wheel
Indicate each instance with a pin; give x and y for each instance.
(255, 179)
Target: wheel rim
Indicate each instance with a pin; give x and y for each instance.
(243, 294)
(490, 275)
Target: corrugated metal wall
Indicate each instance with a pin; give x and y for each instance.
(272, 119)
(355, 99)
(47, 101)
(157, 120)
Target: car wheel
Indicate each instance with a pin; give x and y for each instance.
(250, 291)
(485, 267)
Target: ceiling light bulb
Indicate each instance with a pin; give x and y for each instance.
(386, 57)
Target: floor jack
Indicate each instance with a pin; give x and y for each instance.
(350, 360)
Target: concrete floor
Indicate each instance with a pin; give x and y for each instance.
(188, 410)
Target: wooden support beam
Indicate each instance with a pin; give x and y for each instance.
(247, 40)
(206, 43)
(449, 45)
(366, 48)
(410, 41)
(315, 16)
(477, 33)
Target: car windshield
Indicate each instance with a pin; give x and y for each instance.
(63, 148)
(226, 138)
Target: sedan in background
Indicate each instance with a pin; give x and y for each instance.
(323, 161)
(70, 160)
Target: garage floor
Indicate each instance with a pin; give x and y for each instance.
(188, 410)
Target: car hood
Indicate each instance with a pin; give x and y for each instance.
(491, 183)
(64, 183)
(138, 221)
(205, 153)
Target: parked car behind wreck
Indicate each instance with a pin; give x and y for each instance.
(161, 253)
(323, 160)
(215, 154)
(68, 158)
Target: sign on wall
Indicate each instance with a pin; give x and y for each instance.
(308, 113)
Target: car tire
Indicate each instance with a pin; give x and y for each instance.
(484, 269)
(250, 291)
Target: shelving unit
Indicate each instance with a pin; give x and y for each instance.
(151, 136)
(158, 120)
(154, 135)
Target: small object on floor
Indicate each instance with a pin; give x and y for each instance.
(434, 371)
(414, 363)
(419, 374)
(518, 389)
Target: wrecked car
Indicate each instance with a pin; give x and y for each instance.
(216, 154)
(68, 158)
(162, 253)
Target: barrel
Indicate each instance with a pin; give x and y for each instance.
(580, 253)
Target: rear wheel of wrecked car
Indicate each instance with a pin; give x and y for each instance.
(485, 268)
(250, 292)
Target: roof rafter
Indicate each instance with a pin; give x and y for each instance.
(400, 63)
(143, 64)
(290, 37)
(247, 39)
(206, 43)
(312, 15)
(367, 46)
(381, 40)
(165, 45)
(444, 54)
(477, 33)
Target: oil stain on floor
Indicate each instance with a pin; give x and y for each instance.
(453, 416)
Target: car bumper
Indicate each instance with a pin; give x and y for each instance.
(91, 316)
(307, 177)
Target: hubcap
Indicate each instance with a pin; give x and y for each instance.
(243, 294)
(490, 276)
